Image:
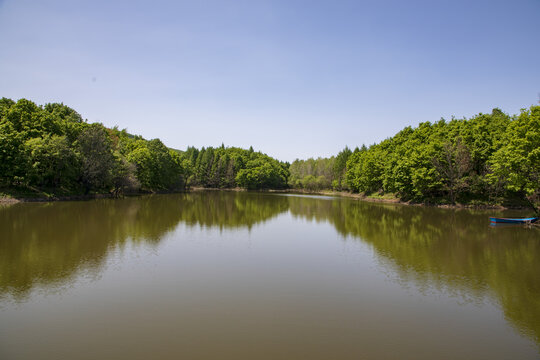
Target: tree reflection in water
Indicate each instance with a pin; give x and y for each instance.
(451, 250)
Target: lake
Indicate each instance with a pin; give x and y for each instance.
(241, 275)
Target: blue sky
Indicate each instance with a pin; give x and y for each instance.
(291, 78)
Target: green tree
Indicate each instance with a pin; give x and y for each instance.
(262, 173)
(124, 176)
(516, 165)
(340, 169)
(97, 159)
(51, 162)
(452, 165)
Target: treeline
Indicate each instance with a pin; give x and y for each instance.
(321, 173)
(487, 157)
(230, 167)
(484, 158)
(52, 149)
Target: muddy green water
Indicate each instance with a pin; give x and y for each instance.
(225, 275)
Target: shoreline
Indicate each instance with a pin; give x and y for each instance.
(9, 200)
(362, 197)
(393, 200)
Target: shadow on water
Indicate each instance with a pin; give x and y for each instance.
(450, 250)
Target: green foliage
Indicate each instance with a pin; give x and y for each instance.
(262, 173)
(488, 156)
(51, 147)
(229, 167)
(51, 162)
(124, 176)
(340, 169)
(365, 169)
(452, 163)
(95, 148)
(313, 174)
(19, 122)
(155, 165)
(516, 165)
(321, 173)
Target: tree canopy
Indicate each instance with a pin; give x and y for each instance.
(487, 157)
(229, 167)
(52, 148)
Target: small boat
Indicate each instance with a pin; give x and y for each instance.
(495, 220)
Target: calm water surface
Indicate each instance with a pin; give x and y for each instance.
(225, 275)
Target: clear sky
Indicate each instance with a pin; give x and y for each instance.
(292, 78)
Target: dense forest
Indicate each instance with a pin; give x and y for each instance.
(235, 167)
(50, 149)
(321, 173)
(488, 158)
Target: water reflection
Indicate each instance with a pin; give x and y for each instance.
(229, 209)
(45, 243)
(454, 251)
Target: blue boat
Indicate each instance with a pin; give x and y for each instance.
(495, 220)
